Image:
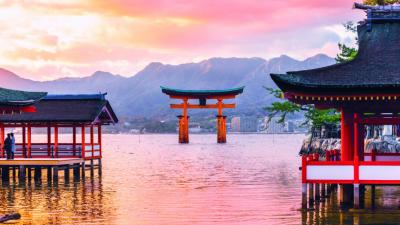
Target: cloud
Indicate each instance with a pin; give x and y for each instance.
(44, 39)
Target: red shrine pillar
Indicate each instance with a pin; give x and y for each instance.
(358, 156)
(221, 124)
(183, 129)
(347, 152)
(347, 135)
(184, 124)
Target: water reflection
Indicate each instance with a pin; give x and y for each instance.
(253, 179)
(383, 208)
(65, 203)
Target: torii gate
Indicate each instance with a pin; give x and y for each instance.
(202, 96)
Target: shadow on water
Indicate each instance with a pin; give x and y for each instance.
(383, 209)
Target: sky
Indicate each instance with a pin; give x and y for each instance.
(47, 39)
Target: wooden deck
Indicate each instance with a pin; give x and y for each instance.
(39, 161)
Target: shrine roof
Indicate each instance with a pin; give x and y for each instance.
(14, 98)
(201, 93)
(68, 109)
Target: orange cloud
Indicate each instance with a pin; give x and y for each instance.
(46, 39)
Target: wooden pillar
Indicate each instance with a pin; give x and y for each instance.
(29, 141)
(49, 174)
(347, 152)
(304, 182)
(184, 123)
(38, 173)
(92, 139)
(91, 168)
(5, 174)
(29, 173)
(76, 172)
(83, 170)
(24, 148)
(310, 195)
(83, 141)
(99, 140)
(347, 135)
(100, 169)
(66, 173)
(55, 174)
(317, 192)
(221, 129)
(48, 141)
(358, 150)
(56, 141)
(22, 170)
(74, 140)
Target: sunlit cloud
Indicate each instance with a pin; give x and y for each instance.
(43, 39)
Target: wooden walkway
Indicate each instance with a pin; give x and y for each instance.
(26, 167)
(40, 161)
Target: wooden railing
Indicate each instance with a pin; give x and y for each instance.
(377, 168)
(62, 150)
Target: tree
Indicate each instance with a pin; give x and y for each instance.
(380, 2)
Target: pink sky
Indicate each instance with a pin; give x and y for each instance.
(46, 39)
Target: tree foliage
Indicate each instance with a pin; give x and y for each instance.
(380, 2)
(313, 117)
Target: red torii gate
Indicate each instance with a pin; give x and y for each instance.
(202, 96)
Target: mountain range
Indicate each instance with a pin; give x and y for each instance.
(140, 94)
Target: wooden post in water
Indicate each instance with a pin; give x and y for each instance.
(91, 168)
(38, 173)
(49, 174)
(83, 170)
(304, 182)
(66, 174)
(14, 173)
(100, 167)
(5, 174)
(310, 195)
(356, 196)
(373, 196)
(29, 173)
(76, 171)
(317, 193)
(22, 170)
(55, 175)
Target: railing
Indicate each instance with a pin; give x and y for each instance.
(382, 168)
(63, 150)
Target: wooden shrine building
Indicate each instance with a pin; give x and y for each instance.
(202, 96)
(53, 131)
(366, 91)
(70, 113)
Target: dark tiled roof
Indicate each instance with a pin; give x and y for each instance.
(376, 68)
(67, 109)
(201, 93)
(10, 97)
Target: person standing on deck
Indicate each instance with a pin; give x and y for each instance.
(7, 146)
(13, 147)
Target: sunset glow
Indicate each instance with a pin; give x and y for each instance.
(43, 39)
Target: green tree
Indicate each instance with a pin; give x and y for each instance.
(379, 2)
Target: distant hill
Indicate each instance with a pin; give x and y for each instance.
(140, 95)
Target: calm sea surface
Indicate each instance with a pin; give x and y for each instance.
(150, 179)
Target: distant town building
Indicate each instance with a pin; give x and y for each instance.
(244, 124)
(235, 124)
(273, 127)
(194, 127)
